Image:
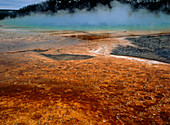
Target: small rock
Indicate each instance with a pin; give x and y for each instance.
(72, 118)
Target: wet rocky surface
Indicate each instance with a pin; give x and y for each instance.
(154, 47)
(66, 57)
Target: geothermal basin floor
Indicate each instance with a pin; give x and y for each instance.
(67, 77)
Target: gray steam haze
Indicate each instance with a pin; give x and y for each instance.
(119, 16)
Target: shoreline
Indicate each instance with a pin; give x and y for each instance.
(91, 35)
(94, 30)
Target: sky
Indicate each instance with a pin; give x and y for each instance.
(16, 4)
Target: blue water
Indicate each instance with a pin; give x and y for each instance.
(121, 17)
(165, 27)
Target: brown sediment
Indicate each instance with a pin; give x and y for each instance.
(103, 90)
(22, 51)
(90, 36)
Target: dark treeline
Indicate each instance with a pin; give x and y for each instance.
(53, 6)
(5, 13)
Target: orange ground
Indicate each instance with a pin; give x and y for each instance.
(100, 91)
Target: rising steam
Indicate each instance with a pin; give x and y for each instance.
(120, 16)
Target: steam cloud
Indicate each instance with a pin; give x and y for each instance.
(120, 15)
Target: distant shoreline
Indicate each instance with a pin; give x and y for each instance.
(50, 29)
